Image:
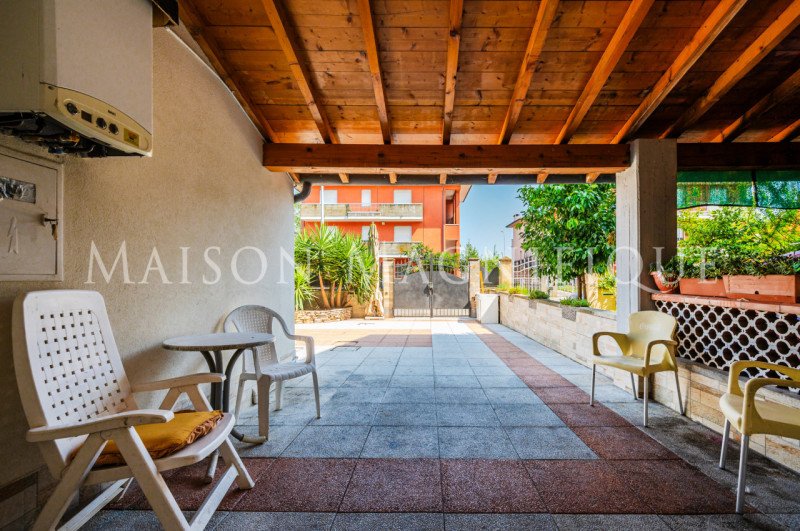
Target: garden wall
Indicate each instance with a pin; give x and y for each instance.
(569, 331)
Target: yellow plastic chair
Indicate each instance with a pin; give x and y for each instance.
(647, 348)
(751, 416)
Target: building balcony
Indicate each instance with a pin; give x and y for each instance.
(394, 249)
(357, 212)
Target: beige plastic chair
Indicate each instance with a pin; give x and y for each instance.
(267, 367)
(751, 416)
(76, 397)
(647, 348)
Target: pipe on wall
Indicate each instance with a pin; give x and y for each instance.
(304, 191)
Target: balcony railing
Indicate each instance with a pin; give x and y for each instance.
(394, 249)
(359, 212)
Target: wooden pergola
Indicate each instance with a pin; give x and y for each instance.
(507, 90)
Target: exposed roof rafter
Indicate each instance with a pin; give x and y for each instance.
(627, 28)
(716, 22)
(541, 178)
(492, 178)
(196, 25)
(286, 38)
(788, 133)
(373, 60)
(785, 90)
(786, 22)
(451, 70)
(544, 19)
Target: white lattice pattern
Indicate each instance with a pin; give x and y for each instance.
(76, 369)
(716, 336)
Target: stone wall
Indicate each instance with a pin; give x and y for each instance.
(569, 331)
(323, 316)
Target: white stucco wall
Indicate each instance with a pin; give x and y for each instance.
(204, 187)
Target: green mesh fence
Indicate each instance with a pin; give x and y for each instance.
(765, 189)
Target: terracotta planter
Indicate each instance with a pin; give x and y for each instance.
(704, 288)
(664, 287)
(769, 288)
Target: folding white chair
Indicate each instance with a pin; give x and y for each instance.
(76, 397)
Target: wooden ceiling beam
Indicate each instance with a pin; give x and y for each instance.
(784, 91)
(782, 26)
(592, 177)
(541, 178)
(286, 39)
(443, 179)
(716, 22)
(492, 178)
(197, 29)
(392, 178)
(373, 60)
(634, 16)
(787, 134)
(345, 178)
(738, 156)
(451, 70)
(453, 159)
(544, 19)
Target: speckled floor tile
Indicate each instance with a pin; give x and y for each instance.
(302, 485)
(394, 485)
(481, 486)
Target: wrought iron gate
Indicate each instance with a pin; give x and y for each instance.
(427, 289)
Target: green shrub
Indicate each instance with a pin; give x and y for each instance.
(303, 293)
(578, 303)
(538, 294)
(503, 287)
(517, 290)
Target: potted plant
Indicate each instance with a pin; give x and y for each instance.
(702, 278)
(772, 279)
(666, 275)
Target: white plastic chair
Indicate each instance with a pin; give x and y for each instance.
(267, 367)
(76, 397)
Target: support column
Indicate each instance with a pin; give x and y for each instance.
(506, 271)
(646, 222)
(474, 285)
(387, 274)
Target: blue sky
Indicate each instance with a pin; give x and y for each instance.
(485, 214)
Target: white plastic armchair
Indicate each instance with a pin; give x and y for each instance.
(77, 397)
(647, 348)
(267, 366)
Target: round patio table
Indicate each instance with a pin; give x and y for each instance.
(211, 347)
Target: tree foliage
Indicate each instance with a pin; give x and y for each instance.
(737, 240)
(569, 228)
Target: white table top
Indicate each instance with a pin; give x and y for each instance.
(218, 341)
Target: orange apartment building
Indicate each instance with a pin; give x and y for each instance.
(403, 215)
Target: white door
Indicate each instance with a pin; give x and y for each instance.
(330, 196)
(364, 232)
(366, 197)
(402, 197)
(402, 234)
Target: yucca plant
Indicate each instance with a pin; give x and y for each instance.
(303, 294)
(341, 264)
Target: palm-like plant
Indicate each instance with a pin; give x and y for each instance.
(302, 287)
(341, 263)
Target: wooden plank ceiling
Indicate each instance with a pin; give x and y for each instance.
(483, 72)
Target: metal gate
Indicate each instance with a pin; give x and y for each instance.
(427, 289)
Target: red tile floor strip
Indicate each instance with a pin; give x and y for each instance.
(634, 473)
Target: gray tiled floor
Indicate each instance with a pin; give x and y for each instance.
(457, 400)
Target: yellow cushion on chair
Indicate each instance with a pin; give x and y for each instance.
(166, 438)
